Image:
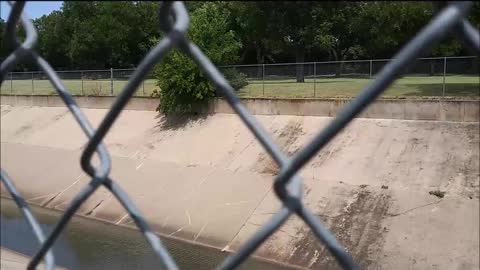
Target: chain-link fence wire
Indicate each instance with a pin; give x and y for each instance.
(174, 21)
(458, 69)
(79, 82)
(120, 78)
(461, 65)
(427, 77)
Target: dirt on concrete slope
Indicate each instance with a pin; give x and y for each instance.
(286, 139)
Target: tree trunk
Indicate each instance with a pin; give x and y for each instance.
(339, 57)
(300, 58)
(338, 71)
(70, 59)
(260, 60)
(244, 53)
(338, 66)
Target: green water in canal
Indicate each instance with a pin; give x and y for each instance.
(89, 244)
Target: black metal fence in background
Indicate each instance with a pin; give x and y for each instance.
(308, 79)
(431, 66)
(444, 74)
(174, 21)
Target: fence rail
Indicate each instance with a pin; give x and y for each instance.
(174, 21)
(433, 76)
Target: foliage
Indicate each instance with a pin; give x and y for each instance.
(182, 85)
(97, 34)
(387, 26)
(52, 35)
(236, 78)
(3, 45)
(101, 34)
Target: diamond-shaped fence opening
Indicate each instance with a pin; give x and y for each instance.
(287, 185)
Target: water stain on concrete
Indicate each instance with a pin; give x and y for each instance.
(5, 110)
(23, 129)
(39, 124)
(60, 115)
(285, 139)
(358, 227)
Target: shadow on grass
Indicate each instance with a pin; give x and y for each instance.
(458, 89)
(179, 121)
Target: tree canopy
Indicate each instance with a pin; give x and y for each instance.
(181, 82)
(104, 34)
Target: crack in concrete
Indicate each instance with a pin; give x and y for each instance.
(42, 196)
(179, 230)
(247, 219)
(188, 217)
(201, 230)
(121, 219)
(412, 209)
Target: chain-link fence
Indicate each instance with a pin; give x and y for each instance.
(107, 82)
(174, 21)
(437, 76)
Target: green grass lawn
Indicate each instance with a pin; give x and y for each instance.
(323, 87)
(348, 87)
(76, 87)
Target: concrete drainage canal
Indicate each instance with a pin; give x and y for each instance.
(90, 244)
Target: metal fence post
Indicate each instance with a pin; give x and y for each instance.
(371, 64)
(33, 86)
(81, 78)
(111, 81)
(143, 87)
(263, 80)
(444, 74)
(314, 79)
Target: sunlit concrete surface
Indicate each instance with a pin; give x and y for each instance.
(378, 185)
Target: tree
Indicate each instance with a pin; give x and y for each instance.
(292, 25)
(250, 20)
(146, 28)
(452, 44)
(338, 30)
(272, 28)
(388, 26)
(3, 44)
(103, 37)
(182, 84)
(98, 34)
(6, 47)
(53, 38)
